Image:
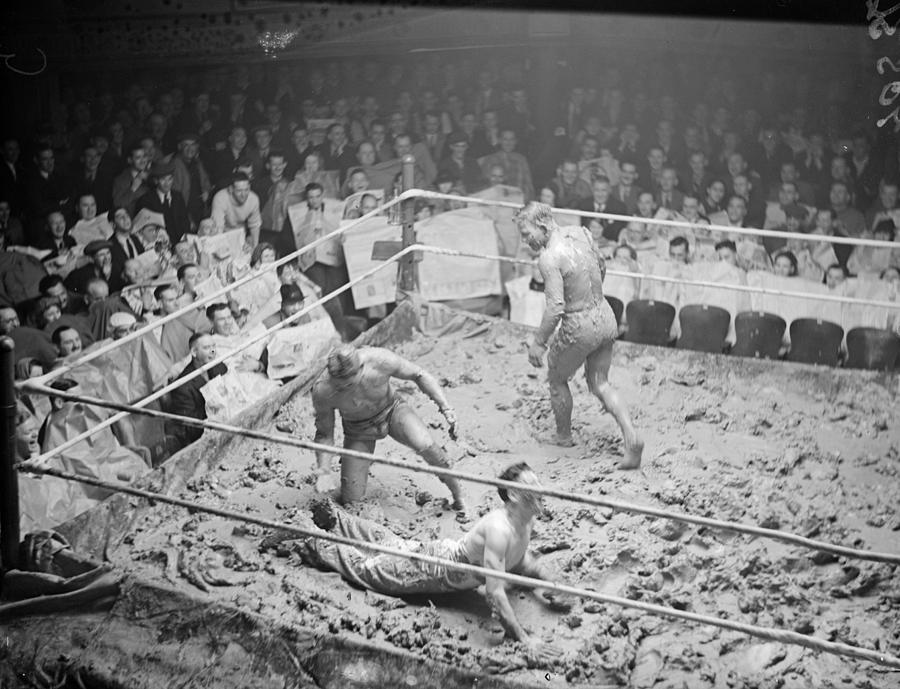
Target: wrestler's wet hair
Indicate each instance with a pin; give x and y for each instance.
(511, 473)
(343, 362)
(538, 214)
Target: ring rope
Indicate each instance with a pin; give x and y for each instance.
(832, 239)
(749, 529)
(770, 634)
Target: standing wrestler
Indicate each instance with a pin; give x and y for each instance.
(573, 274)
(357, 383)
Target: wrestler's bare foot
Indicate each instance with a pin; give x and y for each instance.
(458, 505)
(562, 439)
(633, 452)
(323, 513)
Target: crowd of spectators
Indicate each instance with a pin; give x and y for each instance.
(104, 213)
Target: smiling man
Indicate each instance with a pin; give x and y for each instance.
(357, 382)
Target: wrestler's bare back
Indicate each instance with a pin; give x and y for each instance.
(573, 272)
(371, 391)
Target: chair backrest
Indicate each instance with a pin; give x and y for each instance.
(618, 307)
(872, 348)
(649, 321)
(703, 328)
(815, 341)
(759, 334)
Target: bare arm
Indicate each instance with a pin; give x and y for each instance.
(398, 367)
(555, 299)
(495, 545)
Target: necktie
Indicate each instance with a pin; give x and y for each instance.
(132, 252)
(167, 202)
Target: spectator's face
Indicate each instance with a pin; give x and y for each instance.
(237, 139)
(622, 254)
(824, 222)
(289, 308)
(46, 161)
(627, 174)
(366, 154)
(263, 138)
(736, 164)
(240, 190)
(189, 150)
(378, 132)
(9, 319)
(11, 151)
(201, 103)
(57, 224)
(311, 164)
(267, 256)
(839, 196)
(601, 192)
(122, 221)
(370, 105)
(27, 438)
(358, 182)
(737, 210)
(741, 186)
(101, 143)
(665, 131)
(783, 267)
(656, 158)
(508, 142)
(589, 149)
(726, 255)
(91, 159)
(168, 301)
(432, 124)
(368, 204)
(149, 146)
(569, 173)
(315, 198)
(668, 179)
(300, 139)
(58, 292)
(103, 259)
(678, 253)
(698, 164)
(645, 205)
(489, 120)
(158, 126)
(190, 279)
(787, 194)
(51, 314)
(273, 115)
(834, 277)
(839, 168)
(289, 273)
(223, 323)
(164, 183)
(397, 123)
(204, 348)
(691, 208)
(547, 196)
(468, 123)
(69, 342)
(277, 165)
(139, 160)
(497, 176)
(458, 150)
(716, 192)
(402, 146)
(97, 291)
(630, 134)
(789, 173)
(888, 195)
(87, 208)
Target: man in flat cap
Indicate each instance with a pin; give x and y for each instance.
(100, 253)
(164, 199)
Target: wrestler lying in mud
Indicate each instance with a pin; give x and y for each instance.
(573, 272)
(499, 541)
(357, 383)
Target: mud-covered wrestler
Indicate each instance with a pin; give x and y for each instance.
(357, 382)
(573, 272)
(498, 541)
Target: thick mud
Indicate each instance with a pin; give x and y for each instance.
(763, 443)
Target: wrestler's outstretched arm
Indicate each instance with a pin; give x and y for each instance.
(401, 368)
(554, 296)
(324, 412)
(495, 546)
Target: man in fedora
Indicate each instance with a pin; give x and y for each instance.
(100, 253)
(164, 199)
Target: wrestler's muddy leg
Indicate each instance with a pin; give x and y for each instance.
(407, 428)
(596, 371)
(561, 403)
(330, 517)
(355, 472)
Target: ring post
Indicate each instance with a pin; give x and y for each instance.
(407, 263)
(9, 480)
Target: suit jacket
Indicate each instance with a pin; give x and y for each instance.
(611, 228)
(46, 195)
(341, 162)
(46, 242)
(12, 188)
(118, 253)
(122, 193)
(630, 198)
(77, 280)
(178, 223)
(438, 149)
(100, 188)
(469, 174)
(677, 202)
(187, 400)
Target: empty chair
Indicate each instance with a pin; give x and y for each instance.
(703, 328)
(649, 321)
(815, 341)
(758, 334)
(872, 348)
(618, 307)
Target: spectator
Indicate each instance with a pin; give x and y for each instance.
(224, 331)
(626, 191)
(679, 250)
(191, 178)
(93, 180)
(602, 202)
(425, 170)
(170, 204)
(55, 238)
(291, 302)
(233, 158)
(10, 226)
(30, 342)
(238, 207)
(187, 400)
(12, 175)
(715, 195)
(175, 335)
(131, 184)
(866, 171)
(785, 264)
(457, 165)
(259, 152)
(515, 166)
(568, 187)
(301, 146)
(835, 276)
(726, 251)
(668, 196)
(53, 287)
(100, 253)
(124, 245)
(886, 204)
(337, 154)
(788, 174)
(849, 222)
(271, 189)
